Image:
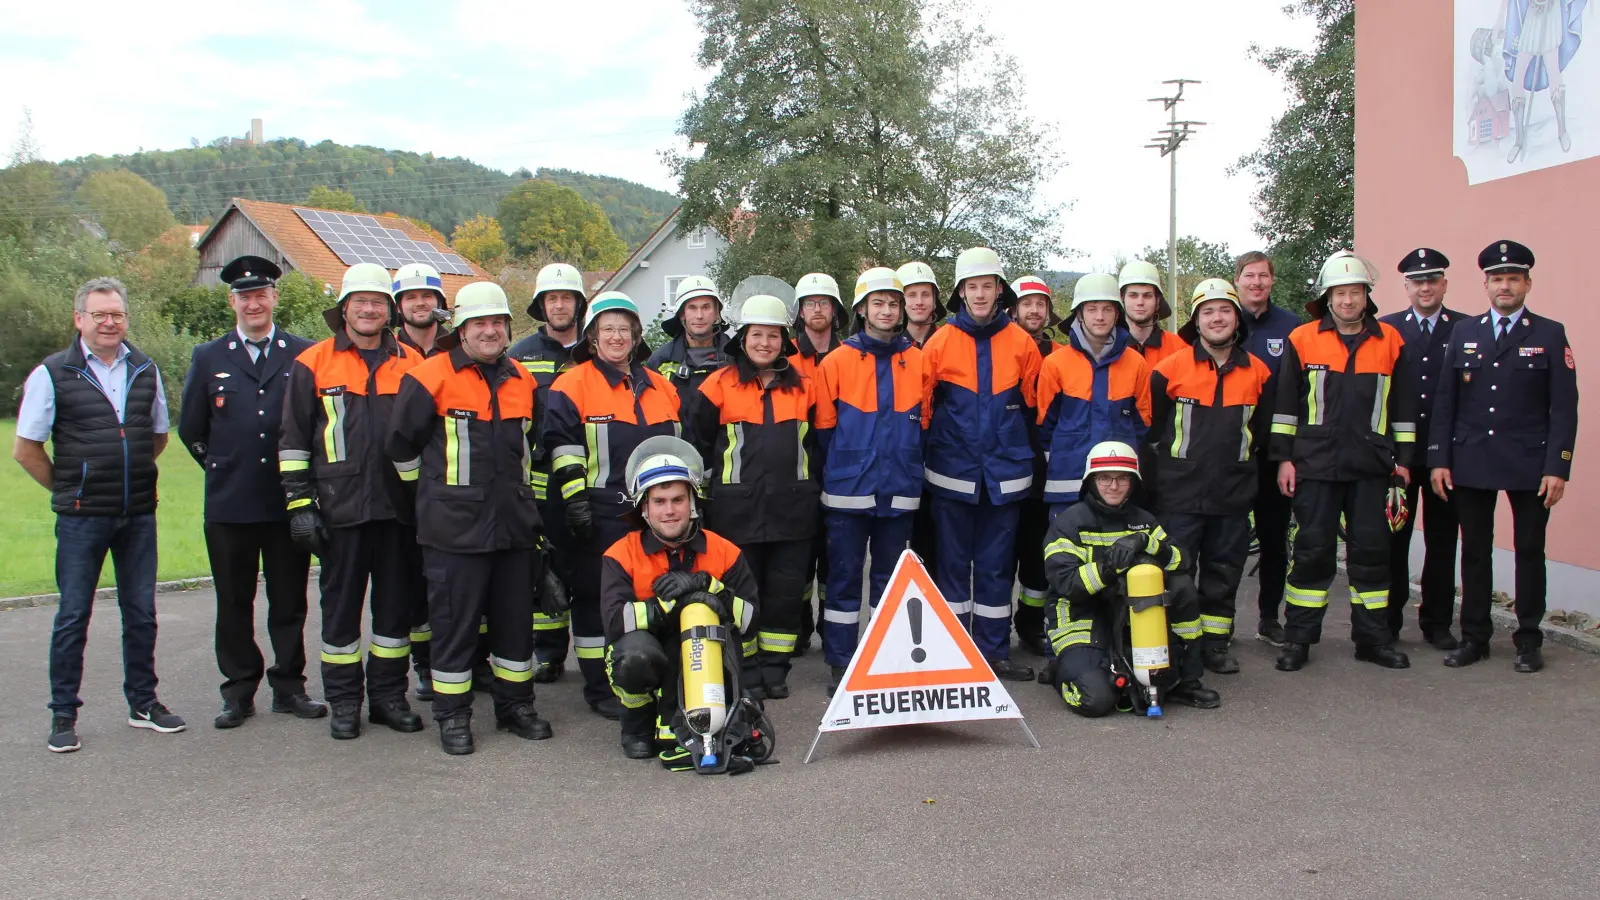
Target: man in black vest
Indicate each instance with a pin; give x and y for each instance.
(100, 404)
(232, 403)
(1425, 326)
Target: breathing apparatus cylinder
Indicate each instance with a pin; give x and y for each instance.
(1147, 629)
(705, 699)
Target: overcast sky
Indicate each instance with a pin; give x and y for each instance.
(598, 86)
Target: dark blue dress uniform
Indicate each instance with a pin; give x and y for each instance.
(1267, 336)
(1426, 343)
(229, 423)
(1505, 417)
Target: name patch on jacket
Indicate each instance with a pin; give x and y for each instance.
(461, 413)
(600, 418)
(334, 391)
(1319, 367)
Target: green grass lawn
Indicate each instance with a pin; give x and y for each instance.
(28, 543)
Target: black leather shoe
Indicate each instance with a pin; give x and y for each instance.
(777, 690)
(346, 722)
(455, 735)
(1528, 661)
(233, 714)
(424, 687)
(1217, 659)
(523, 722)
(609, 708)
(638, 746)
(1466, 654)
(1383, 655)
(395, 713)
(1270, 632)
(547, 672)
(1194, 693)
(1442, 640)
(1007, 670)
(299, 705)
(1294, 656)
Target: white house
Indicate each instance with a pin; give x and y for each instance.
(651, 274)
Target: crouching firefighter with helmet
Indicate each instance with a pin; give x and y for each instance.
(677, 600)
(1113, 571)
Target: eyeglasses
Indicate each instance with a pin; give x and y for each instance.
(615, 330)
(1120, 478)
(100, 318)
(815, 303)
(368, 303)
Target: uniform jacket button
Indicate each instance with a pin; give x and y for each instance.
(1491, 431)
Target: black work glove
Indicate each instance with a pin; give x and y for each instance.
(305, 530)
(553, 597)
(675, 584)
(714, 601)
(580, 519)
(1122, 555)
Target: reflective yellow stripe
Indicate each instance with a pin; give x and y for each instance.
(1380, 406)
(1188, 630)
(542, 622)
(571, 489)
(1305, 597)
(452, 687)
(1063, 545)
(776, 642)
(539, 366)
(389, 652)
(1405, 437)
(457, 451)
(1216, 624)
(1090, 574)
(1180, 420)
(1370, 599)
(333, 432)
(561, 462)
(296, 504)
(804, 469)
(1316, 379)
(1248, 437)
(293, 465)
(731, 462)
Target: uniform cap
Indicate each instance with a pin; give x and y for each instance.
(1503, 255)
(480, 299)
(1030, 284)
(879, 278)
(246, 273)
(819, 284)
(1424, 262)
(764, 309)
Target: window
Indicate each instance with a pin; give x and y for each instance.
(672, 288)
(697, 239)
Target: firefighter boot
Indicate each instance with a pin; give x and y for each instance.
(396, 713)
(1215, 656)
(639, 732)
(1194, 693)
(1294, 656)
(345, 724)
(455, 733)
(523, 722)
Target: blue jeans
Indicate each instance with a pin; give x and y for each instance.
(81, 545)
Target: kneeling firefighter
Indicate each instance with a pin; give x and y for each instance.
(677, 600)
(1101, 557)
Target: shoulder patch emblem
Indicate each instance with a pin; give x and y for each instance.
(1275, 346)
(1570, 363)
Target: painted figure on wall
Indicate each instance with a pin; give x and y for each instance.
(1537, 39)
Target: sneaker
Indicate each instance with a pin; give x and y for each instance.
(156, 717)
(63, 735)
(1270, 632)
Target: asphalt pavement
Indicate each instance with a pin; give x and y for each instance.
(1341, 781)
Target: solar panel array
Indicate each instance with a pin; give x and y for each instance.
(358, 239)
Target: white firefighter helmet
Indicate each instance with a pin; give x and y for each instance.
(765, 309)
(1205, 291)
(1343, 267)
(819, 284)
(1111, 456)
(878, 278)
(362, 278)
(557, 277)
(917, 273)
(1096, 287)
(663, 459)
(480, 299)
(1142, 272)
(419, 277)
(691, 288)
(609, 301)
(976, 261)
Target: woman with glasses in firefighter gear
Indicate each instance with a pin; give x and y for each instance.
(819, 316)
(1033, 312)
(1145, 306)
(467, 415)
(559, 301)
(645, 581)
(1096, 388)
(979, 460)
(600, 410)
(349, 504)
(872, 396)
(1090, 547)
(753, 421)
(1210, 414)
(1343, 438)
(698, 346)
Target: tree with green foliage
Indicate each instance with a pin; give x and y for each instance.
(481, 240)
(1306, 164)
(860, 133)
(635, 211)
(337, 199)
(541, 217)
(32, 201)
(132, 211)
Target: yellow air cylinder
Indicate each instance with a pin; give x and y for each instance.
(705, 701)
(1147, 629)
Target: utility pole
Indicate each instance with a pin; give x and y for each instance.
(1167, 142)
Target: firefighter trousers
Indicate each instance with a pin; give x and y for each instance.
(779, 568)
(353, 557)
(1272, 512)
(588, 630)
(976, 561)
(816, 580)
(1083, 671)
(410, 564)
(552, 633)
(848, 538)
(643, 674)
(463, 588)
(1033, 522)
(1219, 546)
(1317, 508)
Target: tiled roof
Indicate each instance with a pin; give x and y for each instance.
(308, 254)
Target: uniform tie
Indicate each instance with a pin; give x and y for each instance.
(1427, 329)
(261, 351)
(1505, 330)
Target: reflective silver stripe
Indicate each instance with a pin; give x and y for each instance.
(732, 465)
(992, 612)
(1016, 484)
(1247, 438)
(600, 463)
(1035, 594)
(510, 665)
(567, 450)
(392, 643)
(1281, 419)
(802, 469)
(1403, 427)
(410, 465)
(1063, 486)
(451, 677)
(463, 432)
(948, 483)
(590, 642)
(1319, 389)
(346, 650)
(293, 455)
(1380, 406)
(834, 501)
(630, 618)
(841, 616)
(906, 503)
(1185, 427)
(961, 609)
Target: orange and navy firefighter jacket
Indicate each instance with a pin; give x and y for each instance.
(1161, 345)
(760, 453)
(545, 358)
(807, 357)
(1207, 423)
(1083, 401)
(469, 427)
(1336, 416)
(981, 429)
(597, 416)
(872, 401)
(628, 574)
(335, 423)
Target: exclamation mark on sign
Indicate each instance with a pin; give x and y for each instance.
(914, 615)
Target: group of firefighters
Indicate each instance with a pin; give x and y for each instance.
(1031, 461)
